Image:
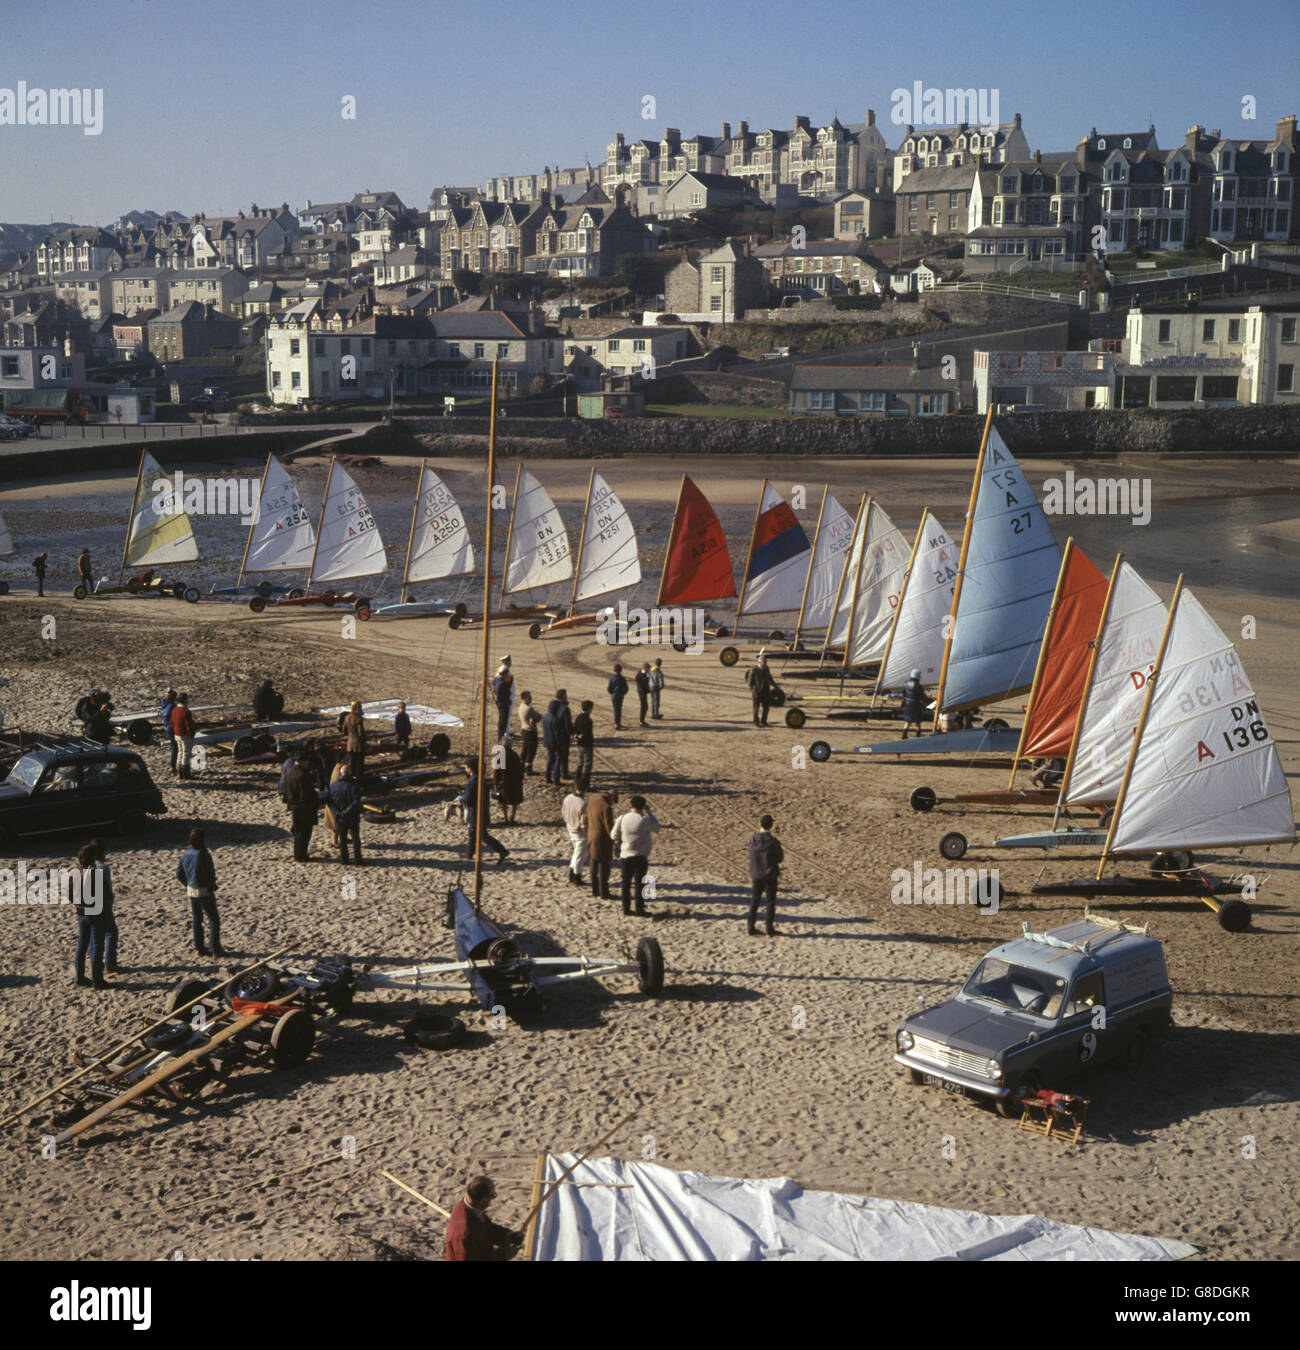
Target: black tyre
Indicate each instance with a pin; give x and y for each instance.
(191, 596)
(819, 752)
(264, 589)
(170, 1036)
(461, 610)
(776, 635)
(363, 612)
(534, 630)
(258, 986)
(722, 631)
(1103, 820)
(923, 799)
(1180, 860)
(85, 709)
(139, 732)
(729, 656)
(678, 645)
(778, 698)
(257, 604)
(440, 745)
(917, 1077)
(296, 593)
(131, 822)
(454, 621)
(649, 966)
(953, 846)
(79, 592)
(1009, 1106)
(263, 744)
(435, 1031)
(996, 724)
(292, 1039)
(183, 992)
(1135, 1052)
(245, 748)
(1234, 916)
(178, 589)
(795, 718)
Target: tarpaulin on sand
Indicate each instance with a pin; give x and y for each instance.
(421, 714)
(686, 1216)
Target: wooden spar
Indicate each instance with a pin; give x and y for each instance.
(749, 557)
(1042, 658)
(1141, 726)
(857, 587)
(961, 566)
(139, 474)
(510, 536)
(812, 558)
(898, 608)
(534, 1205)
(482, 794)
(839, 590)
(126, 1044)
(248, 543)
(1087, 690)
(668, 551)
(410, 538)
(329, 478)
(582, 543)
(410, 1190)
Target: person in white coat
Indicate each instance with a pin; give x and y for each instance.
(633, 837)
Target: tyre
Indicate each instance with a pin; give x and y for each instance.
(534, 630)
(440, 745)
(795, 718)
(923, 799)
(917, 1077)
(1180, 860)
(178, 589)
(729, 656)
(776, 635)
(678, 646)
(170, 1036)
(257, 604)
(778, 698)
(263, 744)
(183, 992)
(363, 612)
(1009, 1106)
(292, 1039)
(140, 732)
(461, 611)
(819, 752)
(1135, 1052)
(953, 846)
(649, 966)
(1103, 820)
(435, 1031)
(191, 595)
(133, 586)
(131, 822)
(296, 593)
(245, 748)
(79, 592)
(259, 986)
(1234, 916)
(454, 621)
(996, 724)
(722, 631)
(264, 589)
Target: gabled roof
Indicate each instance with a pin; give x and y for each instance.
(944, 178)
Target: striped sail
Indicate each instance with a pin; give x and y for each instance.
(779, 556)
(282, 538)
(160, 530)
(539, 545)
(610, 559)
(925, 604)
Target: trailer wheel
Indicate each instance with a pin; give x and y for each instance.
(183, 992)
(997, 724)
(454, 621)
(264, 744)
(819, 752)
(139, 732)
(778, 698)
(649, 966)
(245, 748)
(534, 630)
(923, 799)
(1234, 916)
(435, 1031)
(296, 593)
(1180, 860)
(79, 592)
(953, 846)
(795, 718)
(729, 656)
(363, 612)
(131, 822)
(177, 588)
(1009, 1106)
(260, 985)
(191, 596)
(264, 589)
(679, 646)
(169, 1036)
(776, 635)
(257, 604)
(722, 631)
(440, 745)
(292, 1039)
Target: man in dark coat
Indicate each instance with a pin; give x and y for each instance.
(38, 566)
(471, 1235)
(566, 721)
(302, 798)
(643, 689)
(475, 799)
(617, 688)
(914, 701)
(503, 695)
(100, 727)
(166, 706)
(555, 738)
(584, 732)
(344, 796)
(267, 704)
(765, 858)
(761, 687)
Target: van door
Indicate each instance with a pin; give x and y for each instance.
(56, 802)
(1082, 1034)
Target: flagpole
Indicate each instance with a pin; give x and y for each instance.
(812, 560)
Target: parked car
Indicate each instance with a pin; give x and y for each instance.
(1040, 1009)
(76, 786)
(12, 428)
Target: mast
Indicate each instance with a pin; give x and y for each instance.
(749, 557)
(961, 566)
(410, 538)
(848, 562)
(898, 609)
(803, 603)
(857, 588)
(672, 530)
(1042, 658)
(325, 500)
(135, 496)
(1087, 689)
(1141, 726)
(248, 543)
(483, 795)
(510, 532)
(582, 543)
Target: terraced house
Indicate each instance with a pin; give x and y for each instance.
(488, 237)
(79, 249)
(583, 240)
(823, 267)
(1254, 187)
(955, 147)
(1147, 199)
(1031, 215)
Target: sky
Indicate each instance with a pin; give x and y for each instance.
(214, 107)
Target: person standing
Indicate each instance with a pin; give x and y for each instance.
(84, 569)
(633, 836)
(166, 705)
(566, 722)
(474, 799)
(38, 566)
(617, 689)
(354, 728)
(600, 847)
(584, 732)
(471, 1235)
(302, 797)
(96, 929)
(267, 703)
(643, 689)
(529, 721)
(345, 804)
(184, 729)
(574, 811)
(100, 726)
(402, 726)
(503, 695)
(508, 780)
(555, 740)
(761, 687)
(765, 858)
(914, 701)
(199, 876)
(656, 688)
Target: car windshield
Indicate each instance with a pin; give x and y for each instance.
(26, 772)
(1016, 987)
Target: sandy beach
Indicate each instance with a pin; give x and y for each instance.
(762, 1057)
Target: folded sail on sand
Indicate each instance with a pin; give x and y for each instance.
(834, 535)
(348, 542)
(537, 545)
(925, 601)
(776, 571)
(439, 545)
(697, 565)
(159, 531)
(608, 559)
(280, 538)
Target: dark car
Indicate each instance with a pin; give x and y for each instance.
(71, 787)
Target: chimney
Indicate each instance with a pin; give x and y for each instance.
(801, 122)
(1017, 120)
(871, 117)
(1038, 156)
(1286, 128)
(726, 131)
(744, 129)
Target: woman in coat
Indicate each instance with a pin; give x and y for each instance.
(354, 728)
(600, 846)
(509, 781)
(914, 701)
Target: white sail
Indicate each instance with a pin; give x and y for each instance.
(440, 544)
(1206, 773)
(610, 560)
(349, 543)
(1126, 651)
(539, 545)
(925, 604)
(832, 543)
(6, 540)
(884, 563)
(282, 538)
(837, 630)
(160, 530)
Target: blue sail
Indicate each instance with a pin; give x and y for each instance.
(1007, 587)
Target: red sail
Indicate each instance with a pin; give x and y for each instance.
(1050, 722)
(697, 565)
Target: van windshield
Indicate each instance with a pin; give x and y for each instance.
(1016, 987)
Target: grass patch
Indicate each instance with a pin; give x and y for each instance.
(712, 410)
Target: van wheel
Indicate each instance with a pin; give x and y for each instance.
(923, 799)
(795, 718)
(1135, 1052)
(953, 846)
(79, 592)
(1234, 916)
(729, 656)
(257, 604)
(1009, 1106)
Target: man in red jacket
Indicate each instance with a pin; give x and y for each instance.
(471, 1235)
(183, 728)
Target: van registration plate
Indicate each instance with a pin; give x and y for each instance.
(947, 1084)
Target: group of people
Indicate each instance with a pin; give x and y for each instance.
(181, 729)
(598, 839)
(649, 689)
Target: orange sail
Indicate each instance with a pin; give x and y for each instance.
(697, 565)
(1081, 597)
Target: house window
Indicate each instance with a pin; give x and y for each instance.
(453, 350)
(503, 351)
(715, 275)
(931, 404)
(1207, 331)
(929, 201)
(275, 379)
(296, 379)
(638, 344)
(613, 344)
(294, 347)
(715, 304)
(821, 399)
(871, 402)
(320, 346)
(1286, 378)
(1288, 330)
(479, 350)
(1011, 362)
(1163, 334)
(952, 221)
(1234, 330)
(1054, 362)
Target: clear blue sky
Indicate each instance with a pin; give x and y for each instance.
(211, 107)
